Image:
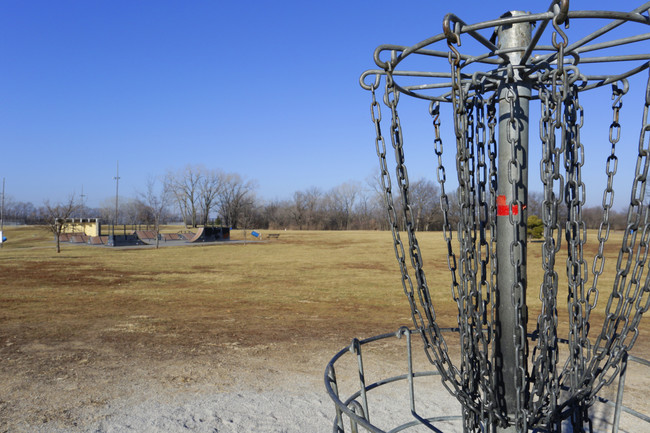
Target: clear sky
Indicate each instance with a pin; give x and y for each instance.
(265, 89)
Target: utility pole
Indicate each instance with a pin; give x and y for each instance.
(83, 198)
(2, 214)
(117, 184)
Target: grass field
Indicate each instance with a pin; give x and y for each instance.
(70, 321)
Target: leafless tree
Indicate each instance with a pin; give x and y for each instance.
(340, 203)
(211, 183)
(424, 197)
(107, 208)
(299, 208)
(535, 203)
(313, 204)
(134, 211)
(377, 201)
(157, 201)
(196, 191)
(277, 214)
(184, 187)
(55, 216)
(20, 212)
(235, 199)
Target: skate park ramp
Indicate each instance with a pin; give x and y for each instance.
(124, 240)
(203, 234)
(148, 237)
(211, 234)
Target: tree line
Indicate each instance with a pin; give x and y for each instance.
(197, 196)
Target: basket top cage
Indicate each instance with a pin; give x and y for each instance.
(611, 44)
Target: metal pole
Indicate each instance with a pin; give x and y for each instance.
(117, 184)
(512, 196)
(2, 214)
(83, 199)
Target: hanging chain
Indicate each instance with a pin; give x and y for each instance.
(434, 110)
(517, 261)
(545, 385)
(482, 297)
(467, 270)
(491, 299)
(437, 350)
(629, 293)
(611, 166)
(576, 266)
(575, 235)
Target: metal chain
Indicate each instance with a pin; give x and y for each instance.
(517, 260)
(466, 238)
(576, 265)
(545, 387)
(611, 166)
(437, 350)
(491, 298)
(629, 293)
(483, 296)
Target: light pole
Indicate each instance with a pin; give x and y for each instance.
(2, 214)
(117, 184)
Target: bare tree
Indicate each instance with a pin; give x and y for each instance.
(341, 201)
(157, 202)
(184, 187)
(56, 215)
(235, 199)
(299, 208)
(365, 211)
(424, 197)
(211, 183)
(313, 204)
(134, 211)
(278, 214)
(20, 211)
(377, 201)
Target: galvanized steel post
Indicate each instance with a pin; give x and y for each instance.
(512, 195)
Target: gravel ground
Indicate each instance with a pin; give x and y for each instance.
(266, 388)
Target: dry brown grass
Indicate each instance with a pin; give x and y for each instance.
(95, 310)
(304, 285)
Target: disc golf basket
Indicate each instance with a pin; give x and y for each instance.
(511, 376)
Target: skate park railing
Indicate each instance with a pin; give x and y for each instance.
(354, 409)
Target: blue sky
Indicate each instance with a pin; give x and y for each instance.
(268, 90)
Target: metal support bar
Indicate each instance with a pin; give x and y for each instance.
(330, 380)
(619, 394)
(356, 347)
(512, 195)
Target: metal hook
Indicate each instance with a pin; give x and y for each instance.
(563, 12)
(560, 17)
(456, 60)
(372, 86)
(564, 36)
(434, 111)
(617, 92)
(452, 37)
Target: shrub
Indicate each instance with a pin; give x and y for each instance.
(535, 227)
